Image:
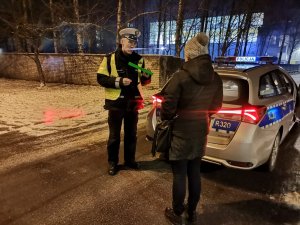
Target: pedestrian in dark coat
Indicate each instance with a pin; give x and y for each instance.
(193, 93)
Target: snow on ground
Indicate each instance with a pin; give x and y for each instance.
(27, 108)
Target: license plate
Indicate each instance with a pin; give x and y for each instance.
(227, 125)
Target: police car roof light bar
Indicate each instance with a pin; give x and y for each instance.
(245, 59)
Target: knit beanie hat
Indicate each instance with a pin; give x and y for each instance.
(196, 46)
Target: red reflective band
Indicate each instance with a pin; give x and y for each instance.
(248, 115)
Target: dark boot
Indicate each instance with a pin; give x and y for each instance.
(132, 165)
(173, 217)
(191, 216)
(112, 168)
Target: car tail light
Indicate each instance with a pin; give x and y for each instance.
(248, 114)
(156, 101)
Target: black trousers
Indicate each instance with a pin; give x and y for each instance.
(115, 118)
(182, 169)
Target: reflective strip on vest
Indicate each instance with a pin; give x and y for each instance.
(103, 67)
(114, 93)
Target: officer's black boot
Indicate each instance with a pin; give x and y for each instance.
(112, 168)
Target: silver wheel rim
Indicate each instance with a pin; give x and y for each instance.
(274, 153)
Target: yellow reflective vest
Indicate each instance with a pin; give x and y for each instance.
(114, 93)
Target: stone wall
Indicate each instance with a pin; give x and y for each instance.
(78, 69)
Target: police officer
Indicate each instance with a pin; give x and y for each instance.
(122, 97)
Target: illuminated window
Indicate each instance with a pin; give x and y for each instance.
(217, 24)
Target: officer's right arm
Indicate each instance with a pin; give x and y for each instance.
(104, 78)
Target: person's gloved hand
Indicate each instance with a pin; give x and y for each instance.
(146, 74)
(126, 81)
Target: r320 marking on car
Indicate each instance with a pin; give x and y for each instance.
(227, 125)
(222, 124)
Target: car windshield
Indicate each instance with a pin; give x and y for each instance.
(235, 91)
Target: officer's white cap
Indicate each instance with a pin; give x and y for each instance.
(130, 33)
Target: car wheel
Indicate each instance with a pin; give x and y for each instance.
(273, 157)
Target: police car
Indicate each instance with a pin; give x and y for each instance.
(258, 111)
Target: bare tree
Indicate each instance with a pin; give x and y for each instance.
(79, 28)
(205, 15)
(227, 38)
(179, 27)
(29, 31)
(265, 38)
(160, 23)
(294, 39)
(239, 34)
(55, 36)
(119, 21)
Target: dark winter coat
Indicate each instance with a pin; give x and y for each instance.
(193, 93)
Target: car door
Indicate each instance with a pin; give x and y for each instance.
(293, 92)
(286, 103)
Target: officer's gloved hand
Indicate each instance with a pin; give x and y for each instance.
(146, 74)
(126, 81)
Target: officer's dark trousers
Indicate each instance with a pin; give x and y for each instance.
(182, 169)
(115, 118)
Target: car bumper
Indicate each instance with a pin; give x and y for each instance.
(249, 148)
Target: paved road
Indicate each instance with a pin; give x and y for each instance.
(59, 176)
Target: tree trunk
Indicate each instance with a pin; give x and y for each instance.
(17, 44)
(220, 34)
(290, 55)
(25, 16)
(119, 18)
(228, 30)
(79, 28)
(165, 28)
(239, 35)
(283, 41)
(39, 67)
(204, 16)
(179, 27)
(247, 28)
(214, 37)
(55, 38)
(159, 27)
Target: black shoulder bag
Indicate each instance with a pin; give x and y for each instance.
(162, 136)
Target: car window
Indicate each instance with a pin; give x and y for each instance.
(235, 91)
(266, 86)
(286, 82)
(280, 86)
